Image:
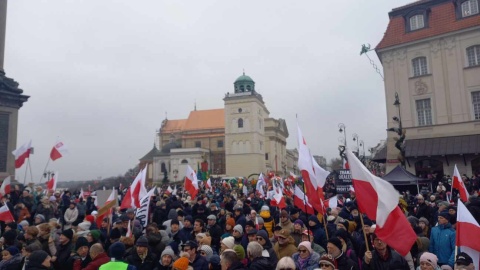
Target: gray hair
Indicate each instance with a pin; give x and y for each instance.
(229, 257)
(254, 250)
(285, 262)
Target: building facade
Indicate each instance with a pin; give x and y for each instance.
(235, 141)
(431, 57)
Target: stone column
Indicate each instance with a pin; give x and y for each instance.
(3, 26)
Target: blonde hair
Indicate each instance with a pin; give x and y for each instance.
(285, 262)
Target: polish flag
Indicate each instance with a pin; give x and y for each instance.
(59, 150)
(459, 184)
(331, 203)
(209, 185)
(278, 196)
(81, 194)
(135, 192)
(5, 187)
(320, 177)
(106, 209)
(191, 182)
(5, 214)
(169, 190)
(245, 190)
(298, 201)
(306, 166)
(129, 230)
(379, 200)
(260, 183)
(174, 192)
(22, 153)
(468, 231)
(52, 183)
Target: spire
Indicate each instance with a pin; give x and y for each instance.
(166, 115)
(244, 72)
(195, 105)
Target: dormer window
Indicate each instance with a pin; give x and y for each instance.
(417, 22)
(469, 8)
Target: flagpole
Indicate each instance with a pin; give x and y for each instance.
(30, 167)
(305, 204)
(26, 170)
(325, 224)
(364, 234)
(44, 170)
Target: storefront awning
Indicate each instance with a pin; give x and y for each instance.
(455, 145)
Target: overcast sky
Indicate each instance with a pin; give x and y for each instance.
(102, 74)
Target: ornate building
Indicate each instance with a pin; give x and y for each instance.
(235, 141)
(431, 57)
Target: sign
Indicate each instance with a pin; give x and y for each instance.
(343, 182)
(142, 212)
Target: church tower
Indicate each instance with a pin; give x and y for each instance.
(245, 115)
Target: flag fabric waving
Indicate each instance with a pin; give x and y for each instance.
(22, 153)
(5, 187)
(379, 200)
(468, 231)
(106, 210)
(191, 182)
(459, 184)
(59, 150)
(209, 185)
(306, 167)
(5, 214)
(260, 183)
(129, 230)
(136, 191)
(81, 194)
(331, 203)
(169, 190)
(52, 183)
(300, 203)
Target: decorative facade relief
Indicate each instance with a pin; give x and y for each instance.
(449, 44)
(435, 47)
(421, 88)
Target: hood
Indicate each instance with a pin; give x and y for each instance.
(172, 214)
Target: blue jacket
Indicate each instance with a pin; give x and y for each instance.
(442, 244)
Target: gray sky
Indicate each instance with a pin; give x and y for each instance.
(102, 74)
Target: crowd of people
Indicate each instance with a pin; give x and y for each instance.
(224, 230)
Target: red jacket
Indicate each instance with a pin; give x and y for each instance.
(100, 260)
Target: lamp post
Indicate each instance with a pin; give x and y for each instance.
(343, 129)
(399, 144)
(362, 144)
(48, 174)
(355, 139)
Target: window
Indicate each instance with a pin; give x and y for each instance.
(266, 156)
(469, 8)
(198, 144)
(424, 112)
(249, 88)
(476, 105)
(184, 161)
(261, 145)
(417, 22)
(473, 55)
(220, 144)
(419, 66)
(240, 123)
(242, 88)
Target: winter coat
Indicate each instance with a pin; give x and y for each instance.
(46, 210)
(95, 264)
(155, 242)
(147, 264)
(345, 263)
(14, 263)
(269, 252)
(241, 220)
(215, 232)
(63, 253)
(260, 263)
(268, 222)
(311, 264)
(286, 250)
(394, 262)
(423, 211)
(287, 225)
(234, 266)
(69, 217)
(200, 263)
(319, 235)
(442, 244)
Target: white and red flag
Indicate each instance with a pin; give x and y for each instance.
(22, 153)
(5, 188)
(299, 201)
(278, 195)
(129, 230)
(5, 214)
(58, 150)
(379, 200)
(52, 183)
(106, 210)
(169, 190)
(331, 203)
(260, 183)
(136, 191)
(191, 182)
(305, 164)
(468, 231)
(174, 190)
(209, 185)
(459, 184)
(81, 195)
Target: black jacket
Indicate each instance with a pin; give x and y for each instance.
(345, 263)
(200, 263)
(235, 266)
(260, 263)
(394, 262)
(63, 254)
(147, 264)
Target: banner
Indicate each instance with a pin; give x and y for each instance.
(142, 211)
(343, 182)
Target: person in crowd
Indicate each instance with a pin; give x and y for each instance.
(307, 235)
(81, 258)
(305, 258)
(197, 261)
(428, 261)
(383, 257)
(252, 235)
(442, 240)
(206, 251)
(285, 246)
(98, 258)
(257, 261)
(21, 212)
(142, 258)
(11, 259)
(268, 221)
(115, 253)
(70, 216)
(214, 230)
(39, 260)
(240, 218)
(298, 228)
(285, 221)
(327, 262)
(319, 235)
(182, 263)
(463, 261)
(230, 261)
(64, 249)
(285, 263)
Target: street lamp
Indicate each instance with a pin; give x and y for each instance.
(355, 139)
(399, 144)
(343, 129)
(48, 175)
(362, 144)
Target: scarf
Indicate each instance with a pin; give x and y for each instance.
(303, 262)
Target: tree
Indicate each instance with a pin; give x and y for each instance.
(336, 164)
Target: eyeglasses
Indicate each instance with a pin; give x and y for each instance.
(302, 251)
(259, 238)
(325, 265)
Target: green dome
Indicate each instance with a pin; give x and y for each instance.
(244, 78)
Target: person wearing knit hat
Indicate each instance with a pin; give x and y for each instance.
(206, 251)
(239, 229)
(428, 261)
(381, 255)
(65, 248)
(116, 252)
(227, 243)
(39, 259)
(268, 221)
(182, 263)
(166, 259)
(39, 219)
(305, 257)
(83, 226)
(240, 251)
(464, 261)
(80, 258)
(327, 262)
(142, 257)
(441, 237)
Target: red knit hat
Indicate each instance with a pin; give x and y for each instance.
(90, 218)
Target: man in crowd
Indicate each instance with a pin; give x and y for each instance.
(383, 257)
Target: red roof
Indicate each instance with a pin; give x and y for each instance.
(442, 20)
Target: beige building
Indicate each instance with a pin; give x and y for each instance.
(431, 57)
(237, 140)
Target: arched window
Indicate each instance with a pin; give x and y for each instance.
(240, 123)
(242, 88)
(419, 66)
(473, 55)
(184, 161)
(249, 88)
